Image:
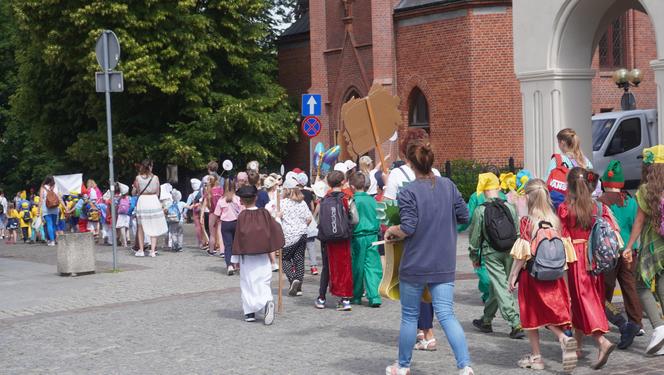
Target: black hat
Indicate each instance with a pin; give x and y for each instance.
(247, 192)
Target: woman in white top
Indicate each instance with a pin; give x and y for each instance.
(570, 150)
(149, 213)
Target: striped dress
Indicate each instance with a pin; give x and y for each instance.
(149, 212)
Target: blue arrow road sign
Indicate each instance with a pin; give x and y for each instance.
(311, 105)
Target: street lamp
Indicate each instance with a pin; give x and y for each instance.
(625, 79)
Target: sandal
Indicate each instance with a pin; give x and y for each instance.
(603, 357)
(533, 362)
(426, 345)
(570, 356)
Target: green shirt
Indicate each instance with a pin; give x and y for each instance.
(366, 210)
(625, 217)
(478, 245)
(651, 251)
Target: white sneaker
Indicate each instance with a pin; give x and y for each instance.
(659, 352)
(275, 267)
(139, 254)
(230, 270)
(656, 341)
(466, 371)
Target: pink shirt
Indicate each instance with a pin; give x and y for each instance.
(228, 211)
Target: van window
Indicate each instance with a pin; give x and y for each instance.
(601, 128)
(626, 137)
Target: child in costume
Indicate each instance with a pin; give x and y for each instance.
(13, 220)
(542, 304)
(498, 263)
(650, 262)
(295, 217)
(367, 268)
(577, 215)
(25, 222)
(175, 218)
(483, 283)
(38, 234)
(624, 209)
(338, 252)
(256, 235)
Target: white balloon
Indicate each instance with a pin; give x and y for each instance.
(227, 165)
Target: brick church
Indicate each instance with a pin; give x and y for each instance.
(449, 61)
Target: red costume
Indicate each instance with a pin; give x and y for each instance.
(541, 303)
(340, 265)
(586, 290)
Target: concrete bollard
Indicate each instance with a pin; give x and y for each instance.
(76, 253)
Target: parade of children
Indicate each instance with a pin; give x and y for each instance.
(547, 250)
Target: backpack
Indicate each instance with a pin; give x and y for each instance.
(93, 213)
(26, 216)
(603, 245)
(217, 193)
(173, 214)
(499, 225)
(123, 206)
(548, 254)
(334, 223)
(132, 205)
(557, 181)
(52, 200)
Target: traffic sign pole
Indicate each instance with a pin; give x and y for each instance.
(109, 134)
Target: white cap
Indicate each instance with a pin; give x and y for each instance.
(124, 189)
(290, 182)
(350, 164)
(302, 179)
(290, 175)
(165, 191)
(195, 184)
(269, 182)
(320, 188)
(341, 167)
(176, 195)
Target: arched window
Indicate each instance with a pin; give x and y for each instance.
(418, 111)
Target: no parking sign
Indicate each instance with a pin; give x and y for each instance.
(311, 126)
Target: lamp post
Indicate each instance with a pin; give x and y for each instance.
(625, 79)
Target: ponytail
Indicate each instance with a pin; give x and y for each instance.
(573, 143)
(580, 185)
(420, 155)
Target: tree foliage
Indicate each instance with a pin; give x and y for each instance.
(199, 83)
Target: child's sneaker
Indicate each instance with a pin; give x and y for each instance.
(230, 270)
(344, 305)
(320, 303)
(250, 317)
(396, 370)
(139, 254)
(314, 270)
(275, 267)
(269, 313)
(294, 287)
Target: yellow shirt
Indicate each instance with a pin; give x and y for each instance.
(13, 214)
(22, 223)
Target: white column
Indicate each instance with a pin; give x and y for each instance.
(554, 100)
(658, 68)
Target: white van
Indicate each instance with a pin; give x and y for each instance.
(623, 136)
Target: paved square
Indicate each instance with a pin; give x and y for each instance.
(180, 314)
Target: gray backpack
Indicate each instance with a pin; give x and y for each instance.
(548, 254)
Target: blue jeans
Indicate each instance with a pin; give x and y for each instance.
(50, 226)
(443, 305)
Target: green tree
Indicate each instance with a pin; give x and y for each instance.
(199, 82)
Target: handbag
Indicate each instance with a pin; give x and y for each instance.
(389, 284)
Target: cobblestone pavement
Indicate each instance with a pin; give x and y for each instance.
(180, 314)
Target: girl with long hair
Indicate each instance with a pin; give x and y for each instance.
(648, 227)
(227, 210)
(295, 218)
(577, 215)
(211, 196)
(542, 304)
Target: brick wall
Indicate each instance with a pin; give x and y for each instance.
(640, 40)
(464, 66)
(295, 76)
